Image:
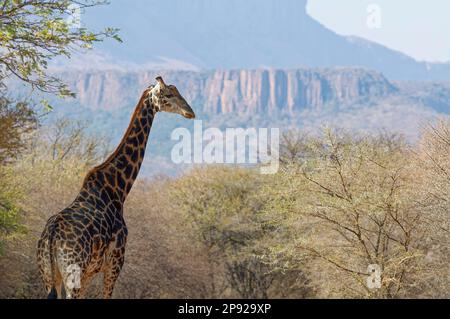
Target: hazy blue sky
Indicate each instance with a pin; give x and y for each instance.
(419, 28)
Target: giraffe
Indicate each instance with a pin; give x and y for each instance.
(89, 236)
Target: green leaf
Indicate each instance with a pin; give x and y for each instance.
(117, 38)
(46, 105)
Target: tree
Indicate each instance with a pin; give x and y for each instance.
(434, 156)
(351, 202)
(16, 121)
(433, 161)
(32, 32)
(293, 147)
(10, 218)
(224, 208)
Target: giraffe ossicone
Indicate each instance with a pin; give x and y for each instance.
(91, 232)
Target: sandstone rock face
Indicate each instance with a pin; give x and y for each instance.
(114, 89)
(289, 90)
(237, 91)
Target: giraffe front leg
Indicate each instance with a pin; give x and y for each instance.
(111, 272)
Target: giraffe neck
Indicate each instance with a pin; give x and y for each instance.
(112, 180)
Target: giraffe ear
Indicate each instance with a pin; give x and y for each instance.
(160, 80)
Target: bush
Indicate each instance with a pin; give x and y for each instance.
(340, 203)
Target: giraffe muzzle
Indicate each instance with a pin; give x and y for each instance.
(188, 112)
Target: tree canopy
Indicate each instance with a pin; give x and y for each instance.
(33, 32)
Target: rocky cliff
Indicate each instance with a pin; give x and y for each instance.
(290, 90)
(305, 99)
(237, 91)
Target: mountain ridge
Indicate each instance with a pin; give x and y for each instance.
(174, 34)
(236, 91)
(307, 99)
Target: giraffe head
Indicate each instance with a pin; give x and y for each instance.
(166, 98)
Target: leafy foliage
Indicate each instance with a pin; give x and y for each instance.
(10, 218)
(224, 205)
(16, 122)
(32, 32)
(346, 202)
(339, 203)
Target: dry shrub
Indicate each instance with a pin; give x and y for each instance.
(347, 202)
(338, 204)
(160, 260)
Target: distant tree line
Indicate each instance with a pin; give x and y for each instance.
(340, 205)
